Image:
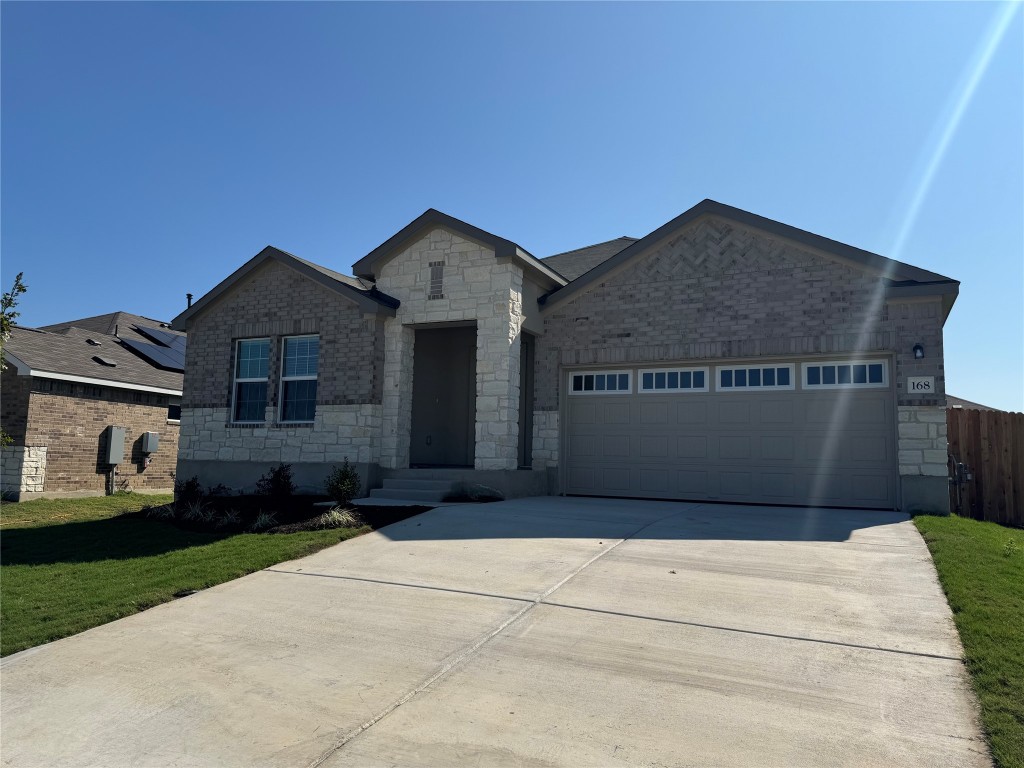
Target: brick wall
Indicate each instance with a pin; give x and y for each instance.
(718, 290)
(69, 419)
(14, 392)
(277, 301)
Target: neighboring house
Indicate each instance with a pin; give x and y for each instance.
(722, 357)
(959, 402)
(65, 385)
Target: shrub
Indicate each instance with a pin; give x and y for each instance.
(161, 512)
(343, 483)
(228, 517)
(217, 491)
(338, 518)
(263, 521)
(188, 491)
(276, 483)
(195, 511)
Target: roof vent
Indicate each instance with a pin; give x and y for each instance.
(94, 343)
(104, 361)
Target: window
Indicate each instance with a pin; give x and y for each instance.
(835, 375)
(674, 380)
(601, 383)
(755, 378)
(436, 280)
(174, 409)
(300, 362)
(251, 366)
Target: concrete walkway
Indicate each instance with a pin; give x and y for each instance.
(545, 631)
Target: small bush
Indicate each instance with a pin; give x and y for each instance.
(161, 512)
(343, 483)
(276, 483)
(196, 512)
(263, 521)
(218, 491)
(227, 517)
(188, 491)
(338, 518)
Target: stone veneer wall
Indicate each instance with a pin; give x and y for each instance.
(477, 287)
(922, 441)
(717, 290)
(338, 432)
(22, 470)
(545, 439)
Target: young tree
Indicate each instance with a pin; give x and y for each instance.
(7, 317)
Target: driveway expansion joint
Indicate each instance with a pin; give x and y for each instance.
(471, 651)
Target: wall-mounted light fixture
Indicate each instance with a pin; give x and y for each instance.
(918, 352)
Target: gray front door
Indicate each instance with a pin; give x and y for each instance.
(805, 446)
(443, 397)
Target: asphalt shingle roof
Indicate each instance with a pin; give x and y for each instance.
(68, 351)
(572, 264)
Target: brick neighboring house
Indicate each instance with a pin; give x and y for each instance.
(722, 357)
(65, 384)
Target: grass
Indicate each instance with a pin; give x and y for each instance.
(72, 564)
(981, 567)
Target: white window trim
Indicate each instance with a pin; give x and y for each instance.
(677, 391)
(235, 381)
(760, 366)
(280, 397)
(610, 392)
(869, 385)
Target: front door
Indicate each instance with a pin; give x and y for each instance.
(443, 397)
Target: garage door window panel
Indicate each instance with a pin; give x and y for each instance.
(664, 380)
(760, 378)
(846, 374)
(601, 383)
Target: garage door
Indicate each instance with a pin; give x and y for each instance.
(801, 432)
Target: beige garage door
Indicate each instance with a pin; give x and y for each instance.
(825, 437)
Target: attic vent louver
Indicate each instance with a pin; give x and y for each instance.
(104, 361)
(94, 343)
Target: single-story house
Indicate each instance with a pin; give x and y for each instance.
(722, 357)
(74, 391)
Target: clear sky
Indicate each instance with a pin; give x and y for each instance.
(150, 149)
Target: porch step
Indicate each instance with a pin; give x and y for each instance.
(410, 494)
(417, 484)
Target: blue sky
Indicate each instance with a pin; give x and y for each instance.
(149, 149)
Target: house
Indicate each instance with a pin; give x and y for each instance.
(960, 403)
(74, 390)
(722, 357)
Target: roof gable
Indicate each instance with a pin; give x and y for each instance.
(904, 278)
(369, 266)
(368, 298)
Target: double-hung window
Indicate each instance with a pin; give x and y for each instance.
(300, 358)
(252, 361)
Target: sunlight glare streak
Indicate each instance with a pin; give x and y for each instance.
(975, 71)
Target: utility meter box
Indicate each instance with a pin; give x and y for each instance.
(150, 442)
(114, 453)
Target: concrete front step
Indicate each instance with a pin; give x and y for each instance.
(408, 494)
(417, 484)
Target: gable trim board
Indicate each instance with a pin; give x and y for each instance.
(368, 298)
(908, 280)
(714, 286)
(369, 266)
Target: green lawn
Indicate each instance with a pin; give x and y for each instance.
(70, 564)
(981, 567)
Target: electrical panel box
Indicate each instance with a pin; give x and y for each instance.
(150, 442)
(114, 453)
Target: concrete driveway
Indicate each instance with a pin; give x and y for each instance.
(544, 631)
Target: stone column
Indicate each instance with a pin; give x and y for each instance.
(497, 367)
(399, 341)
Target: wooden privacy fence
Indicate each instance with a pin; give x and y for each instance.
(991, 444)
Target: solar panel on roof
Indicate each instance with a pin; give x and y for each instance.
(164, 338)
(163, 357)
